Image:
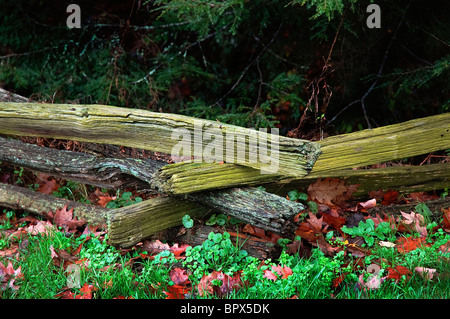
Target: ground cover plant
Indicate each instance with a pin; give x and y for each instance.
(405, 255)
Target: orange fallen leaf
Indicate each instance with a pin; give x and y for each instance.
(407, 244)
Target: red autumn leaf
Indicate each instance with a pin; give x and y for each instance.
(315, 223)
(178, 250)
(389, 197)
(177, 292)
(41, 227)
(66, 294)
(338, 280)
(397, 272)
(179, 277)
(407, 244)
(64, 218)
(378, 195)
(155, 247)
(445, 248)
(335, 221)
(364, 206)
(47, 185)
(422, 196)
(284, 272)
(86, 291)
(270, 275)
(255, 231)
(305, 232)
(8, 275)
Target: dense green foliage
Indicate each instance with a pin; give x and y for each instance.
(251, 63)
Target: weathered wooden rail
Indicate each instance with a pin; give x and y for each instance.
(199, 188)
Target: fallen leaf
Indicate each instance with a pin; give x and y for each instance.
(47, 186)
(284, 272)
(178, 250)
(86, 291)
(209, 284)
(378, 195)
(422, 196)
(104, 200)
(445, 248)
(177, 292)
(330, 191)
(386, 244)
(389, 197)
(154, 247)
(364, 206)
(179, 277)
(426, 273)
(61, 257)
(373, 282)
(417, 221)
(398, 272)
(407, 244)
(446, 219)
(335, 221)
(64, 218)
(255, 231)
(8, 276)
(42, 227)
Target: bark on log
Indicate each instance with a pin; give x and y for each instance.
(76, 166)
(158, 132)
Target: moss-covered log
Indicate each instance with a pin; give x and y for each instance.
(129, 225)
(206, 141)
(404, 179)
(339, 154)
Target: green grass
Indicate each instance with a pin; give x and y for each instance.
(144, 278)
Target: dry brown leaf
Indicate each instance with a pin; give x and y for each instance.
(330, 191)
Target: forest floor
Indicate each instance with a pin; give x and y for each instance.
(389, 246)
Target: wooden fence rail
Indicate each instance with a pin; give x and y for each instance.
(199, 188)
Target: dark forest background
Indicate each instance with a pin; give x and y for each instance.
(309, 67)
